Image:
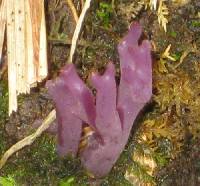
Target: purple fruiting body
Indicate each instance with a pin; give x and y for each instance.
(116, 107)
(74, 104)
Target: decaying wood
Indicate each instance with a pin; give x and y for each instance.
(29, 139)
(3, 25)
(26, 46)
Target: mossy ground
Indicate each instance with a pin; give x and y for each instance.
(163, 148)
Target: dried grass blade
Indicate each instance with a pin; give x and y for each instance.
(78, 29)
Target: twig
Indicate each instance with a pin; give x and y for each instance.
(190, 49)
(56, 3)
(78, 28)
(113, 4)
(183, 56)
(73, 9)
(68, 42)
(29, 139)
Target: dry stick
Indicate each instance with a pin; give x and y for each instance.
(73, 9)
(68, 42)
(78, 29)
(29, 139)
(52, 116)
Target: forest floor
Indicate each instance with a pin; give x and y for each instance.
(163, 148)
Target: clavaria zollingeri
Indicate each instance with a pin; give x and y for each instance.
(111, 113)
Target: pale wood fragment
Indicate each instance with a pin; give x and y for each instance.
(20, 49)
(31, 71)
(11, 55)
(36, 16)
(43, 64)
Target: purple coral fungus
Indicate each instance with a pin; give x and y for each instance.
(112, 115)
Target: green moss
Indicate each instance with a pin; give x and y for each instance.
(195, 23)
(173, 34)
(177, 56)
(33, 163)
(3, 112)
(161, 159)
(104, 13)
(7, 181)
(39, 164)
(3, 101)
(67, 182)
(141, 173)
